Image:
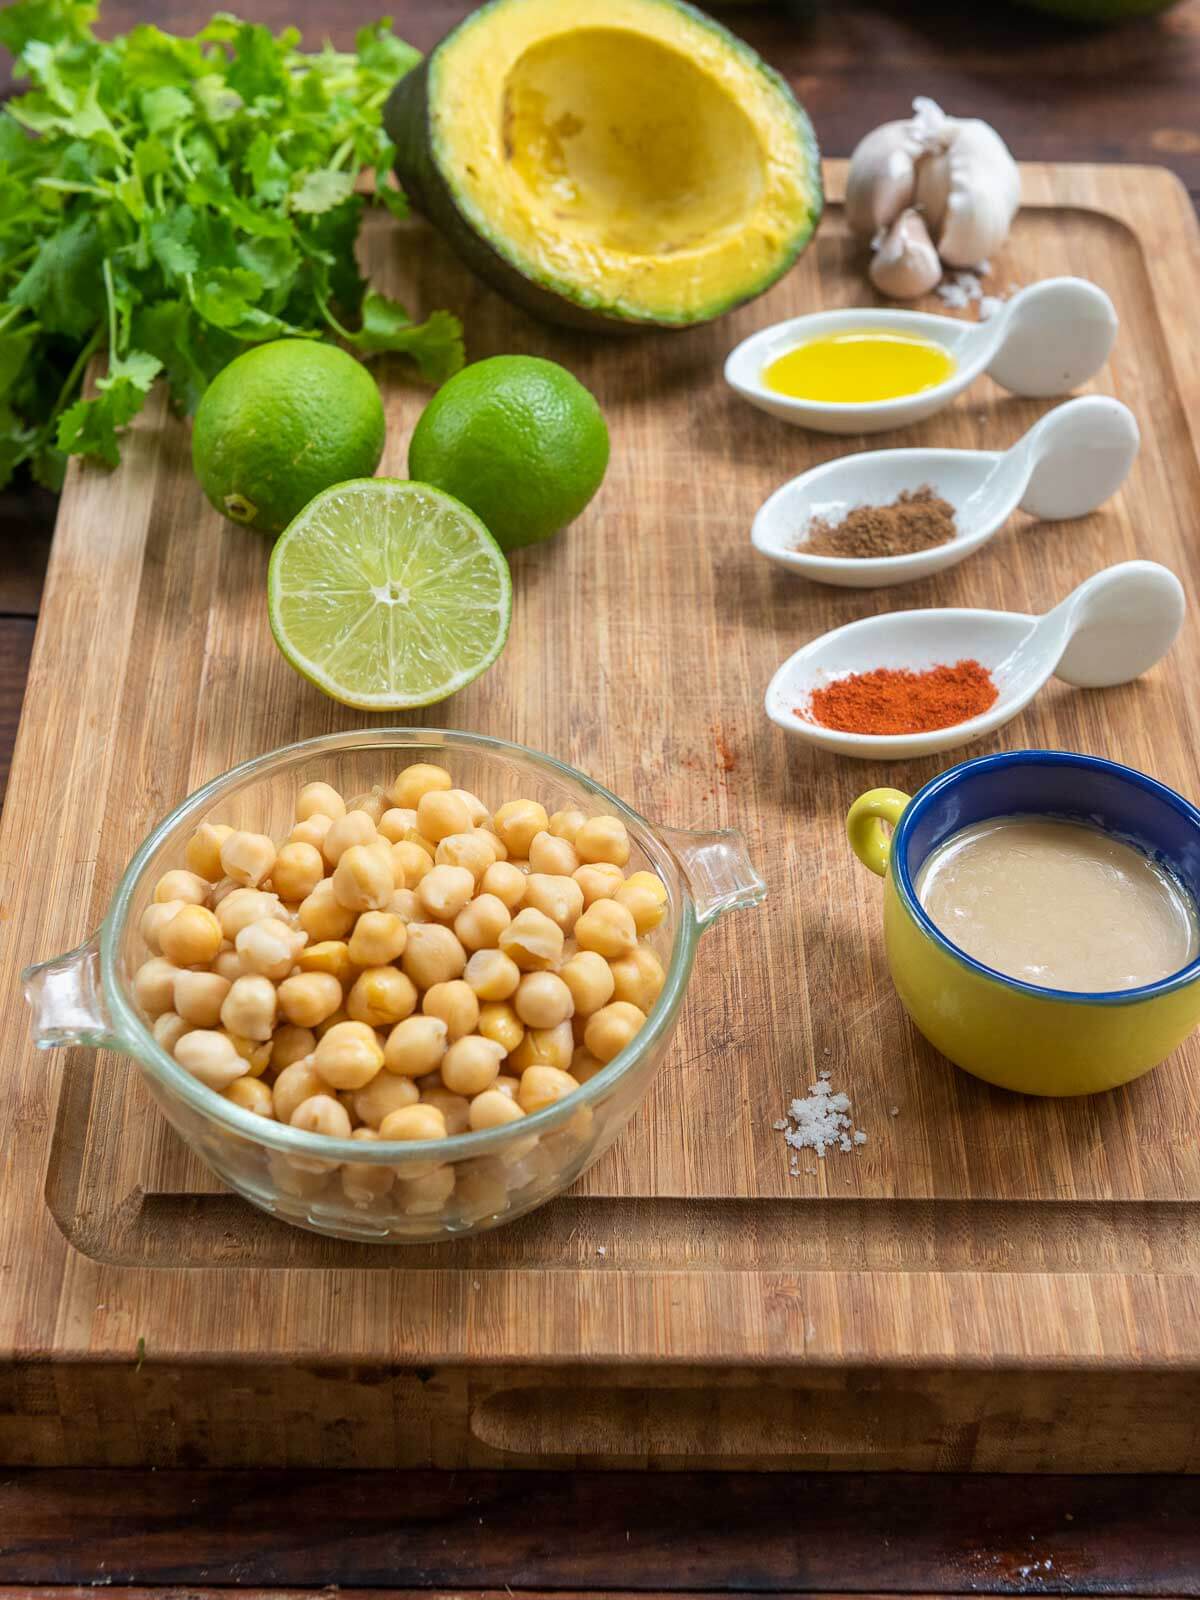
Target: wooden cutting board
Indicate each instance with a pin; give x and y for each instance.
(990, 1281)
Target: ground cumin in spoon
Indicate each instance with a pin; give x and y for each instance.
(918, 519)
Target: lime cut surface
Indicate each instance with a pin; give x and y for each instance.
(388, 594)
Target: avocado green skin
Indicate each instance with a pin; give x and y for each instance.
(1100, 10)
(407, 121)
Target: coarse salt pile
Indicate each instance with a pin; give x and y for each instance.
(966, 288)
(822, 1121)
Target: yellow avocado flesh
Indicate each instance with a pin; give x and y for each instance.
(623, 152)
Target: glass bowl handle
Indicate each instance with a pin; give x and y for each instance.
(66, 999)
(718, 870)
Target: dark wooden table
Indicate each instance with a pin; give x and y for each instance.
(1126, 94)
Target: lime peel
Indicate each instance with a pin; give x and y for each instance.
(388, 594)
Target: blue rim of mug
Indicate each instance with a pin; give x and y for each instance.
(898, 861)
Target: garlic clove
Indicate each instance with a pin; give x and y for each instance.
(983, 194)
(905, 263)
(885, 165)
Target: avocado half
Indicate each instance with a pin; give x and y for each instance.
(608, 162)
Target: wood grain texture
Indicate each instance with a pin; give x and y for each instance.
(974, 1230)
(577, 1533)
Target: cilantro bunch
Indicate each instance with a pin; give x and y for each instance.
(173, 200)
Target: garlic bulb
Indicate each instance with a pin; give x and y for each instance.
(905, 264)
(956, 172)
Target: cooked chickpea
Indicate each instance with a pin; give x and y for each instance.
(444, 891)
(455, 1003)
(638, 977)
(269, 948)
(397, 823)
(203, 853)
(312, 831)
(612, 1028)
(154, 986)
(479, 924)
(242, 907)
(192, 937)
(366, 1181)
(249, 1007)
(600, 881)
(410, 863)
(566, 824)
(362, 879)
(381, 996)
(252, 1094)
(500, 1022)
(189, 887)
(309, 998)
(543, 1000)
(295, 1084)
(291, 1043)
(552, 855)
(384, 1094)
(319, 799)
(516, 823)
(331, 1021)
(603, 839)
(199, 997)
(247, 858)
(455, 1108)
(228, 964)
(478, 811)
(425, 1194)
(169, 1029)
(332, 956)
(298, 870)
(354, 828)
(348, 1056)
(422, 1121)
(507, 1085)
(532, 940)
(416, 1046)
(254, 1052)
(417, 781)
(544, 1047)
(440, 813)
(373, 803)
(644, 895)
(155, 918)
(321, 1113)
(608, 928)
(378, 937)
(559, 898)
(491, 1109)
(405, 905)
(210, 1057)
(322, 915)
(474, 851)
(498, 846)
(492, 975)
(432, 955)
(541, 1086)
(505, 882)
(589, 978)
(584, 1065)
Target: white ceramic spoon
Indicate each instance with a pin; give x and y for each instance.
(1066, 465)
(1046, 340)
(1112, 628)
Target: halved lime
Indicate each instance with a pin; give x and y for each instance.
(388, 594)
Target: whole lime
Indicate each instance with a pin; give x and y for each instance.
(517, 439)
(279, 424)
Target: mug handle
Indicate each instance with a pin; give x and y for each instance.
(867, 839)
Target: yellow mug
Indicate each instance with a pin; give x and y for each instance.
(1008, 1032)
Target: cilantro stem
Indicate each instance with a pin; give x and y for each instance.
(346, 148)
(64, 187)
(73, 378)
(189, 171)
(13, 311)
(342, 333)
(109, 295)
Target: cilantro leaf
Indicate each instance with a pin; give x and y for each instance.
(321, 191)
(90, 427)
(63, 287)
(435, 344)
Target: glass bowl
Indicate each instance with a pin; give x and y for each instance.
(391, 1192)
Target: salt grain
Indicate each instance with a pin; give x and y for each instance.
(822, 1120)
